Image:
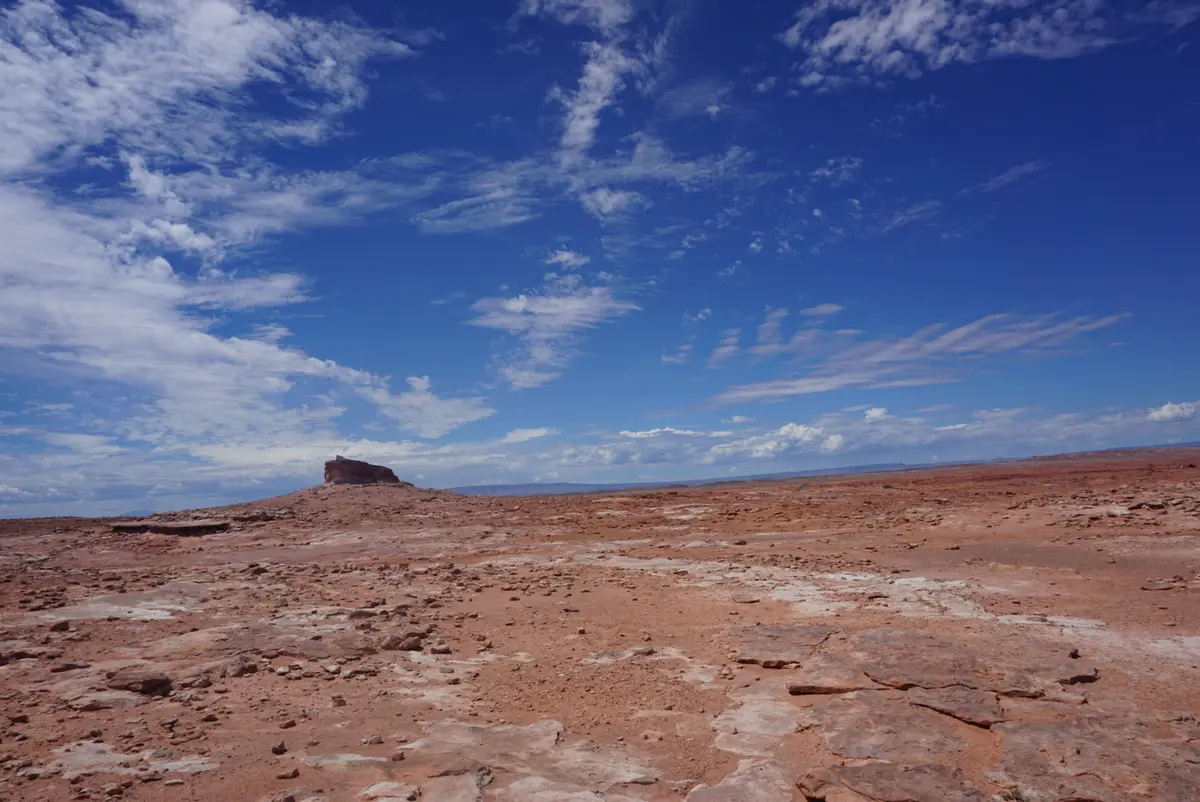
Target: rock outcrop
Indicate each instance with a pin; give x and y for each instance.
(206, 526)
(342, 471)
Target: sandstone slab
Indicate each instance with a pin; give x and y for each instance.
(196, 528)
(827, 674)
(778, 646)
(752, 781)
(1105, 759)
(889, 782)
(872, 725)
(980, 708)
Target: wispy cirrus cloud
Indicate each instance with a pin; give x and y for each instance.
(698, 98)
(680, 356)
(727, 349)
(1010, 176)
(913, 213)
(603, 15)
(81, 78)
(548, 322)
(836, 361)
(124, 285)
(837, 171)
(604, 76)
(860, 41)
(822, 310)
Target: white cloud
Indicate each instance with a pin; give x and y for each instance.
(420, 411)
(567, 258)
(727, 349)
(860, 41)
(703, 314)
(756, 245)
(604, 15)
(1009, 176)
(492, 196)
(822, 310)
(833, 442)
(927, 356)
(522, 435)
(164, 96)
(787, 439)
(837, 171)
(670, 430)
(739, 419)
(270, 332)
(87, 444)
(8, 491)
(500, 208)
(700, 98)
(603, 78)
(876, 414)
(912, 214)
(548, 322)
(766, 84)
(770, 340)
(680, 357)
(77, 79)
(603, 202)
(1172, 413)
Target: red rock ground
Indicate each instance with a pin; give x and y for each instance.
(1020, 631)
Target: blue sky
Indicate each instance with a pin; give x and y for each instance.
(585, 240)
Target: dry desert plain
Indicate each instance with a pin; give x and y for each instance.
(1012, 631)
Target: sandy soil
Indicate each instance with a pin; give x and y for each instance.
(1021, 631)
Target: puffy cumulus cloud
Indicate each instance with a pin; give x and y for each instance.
(548, 323)
(739, 419)
(876, 413)
(1172, 413)
(787, 439)
(670, 430)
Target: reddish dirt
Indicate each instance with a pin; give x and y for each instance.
(1025, 630)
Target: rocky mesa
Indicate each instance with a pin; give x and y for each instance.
(342, 471)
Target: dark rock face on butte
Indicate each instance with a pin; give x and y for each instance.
(342, 471)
